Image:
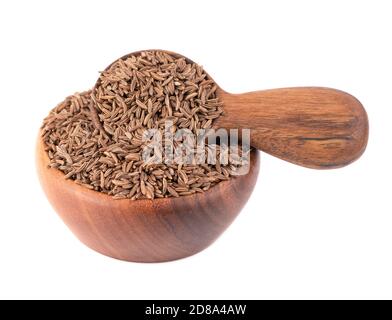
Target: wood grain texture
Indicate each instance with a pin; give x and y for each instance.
(313, 127)
(146, 230)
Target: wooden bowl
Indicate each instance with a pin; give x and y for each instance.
(145, 230)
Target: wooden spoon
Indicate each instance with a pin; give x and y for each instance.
(314, 127)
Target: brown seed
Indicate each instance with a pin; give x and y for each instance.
(143, 187)
(133, 156)
(172, 191)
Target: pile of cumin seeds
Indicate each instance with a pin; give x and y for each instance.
(95, 137)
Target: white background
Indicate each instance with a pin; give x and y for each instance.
(303, 234)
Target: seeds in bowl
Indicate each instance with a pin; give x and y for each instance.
(98, 137)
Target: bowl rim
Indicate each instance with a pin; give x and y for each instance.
(42, 163)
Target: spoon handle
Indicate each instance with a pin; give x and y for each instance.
(313, 127)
